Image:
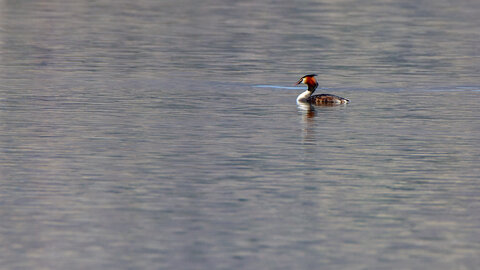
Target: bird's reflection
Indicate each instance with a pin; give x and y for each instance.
(308, 114)
(306, 108)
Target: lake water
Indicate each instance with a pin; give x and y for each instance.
(165, 135)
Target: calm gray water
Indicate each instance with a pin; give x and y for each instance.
(164, 135)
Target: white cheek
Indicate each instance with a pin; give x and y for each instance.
(304, 80)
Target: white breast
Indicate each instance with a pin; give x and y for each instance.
(303, 96)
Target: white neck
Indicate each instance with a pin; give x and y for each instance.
(303, 96)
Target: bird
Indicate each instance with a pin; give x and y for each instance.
(322, 99)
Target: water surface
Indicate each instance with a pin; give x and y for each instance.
(136, 136)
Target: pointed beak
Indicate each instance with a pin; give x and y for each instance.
(299, 81)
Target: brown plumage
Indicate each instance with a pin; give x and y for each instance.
(322, 99)
(326, 99)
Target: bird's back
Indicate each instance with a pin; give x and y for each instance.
(327, 99)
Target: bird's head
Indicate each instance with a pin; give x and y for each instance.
(309, 80)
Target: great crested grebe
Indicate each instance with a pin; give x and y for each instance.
(322, 99)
